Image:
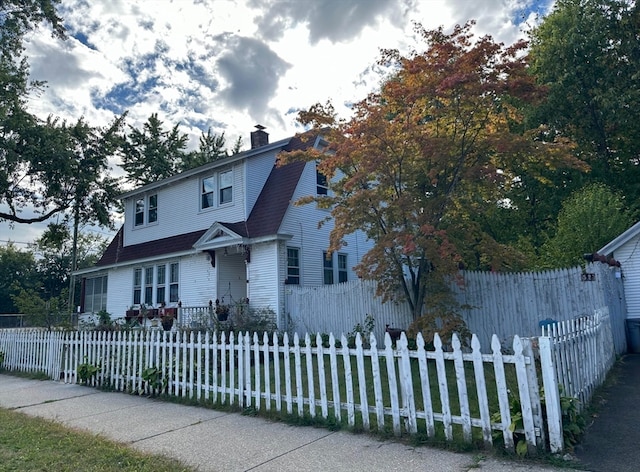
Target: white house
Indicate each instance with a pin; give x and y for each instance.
(626, 250)
(228, 231)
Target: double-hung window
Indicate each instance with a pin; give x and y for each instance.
(342, 268)
(322, 185)
(216, 190)
(226, 187)
(173, 282)
(327, 265)
(332, 271)
(148, 285)
(293, 266)
(139, 216)
(207, 192)
(146, 210)
(152, 212)
(161, 281)
(137, 286)
(95, 294)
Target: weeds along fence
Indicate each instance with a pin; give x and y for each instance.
(450, 392)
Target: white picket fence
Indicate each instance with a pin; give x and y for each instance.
(461, 394)
(583, 352)
(32, 350)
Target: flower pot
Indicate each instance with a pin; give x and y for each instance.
(167, 324)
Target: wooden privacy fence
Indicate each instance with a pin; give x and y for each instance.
(490, 303)
(453, 392)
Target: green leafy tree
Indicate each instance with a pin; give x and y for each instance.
(55, 251)
(439, 144)
(29, 160)
(153, 153)
(589, 219)
(587, 54)
(40, 310)
(18, 271)
(211, 148)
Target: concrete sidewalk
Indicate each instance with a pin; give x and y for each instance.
(210, 440)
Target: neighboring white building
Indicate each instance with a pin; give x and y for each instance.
(228, 231)
(626, 250)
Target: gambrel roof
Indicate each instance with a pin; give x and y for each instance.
(265, 218)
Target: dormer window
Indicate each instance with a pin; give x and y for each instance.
(139, 218)
(216, 190)
(152, 214)
(146, 210)
(226, 187)
(208, 189)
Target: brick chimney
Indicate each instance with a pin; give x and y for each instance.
(259, 137)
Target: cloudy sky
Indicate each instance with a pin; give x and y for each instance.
(231, 64)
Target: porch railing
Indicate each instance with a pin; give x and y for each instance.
(210, 316)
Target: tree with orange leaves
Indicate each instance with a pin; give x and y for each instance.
(442, 140)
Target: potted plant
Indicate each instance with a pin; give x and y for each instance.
(167, 315)
(222, 311)
(131, 312)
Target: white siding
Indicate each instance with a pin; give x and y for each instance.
(197, 281)
(120, 291)
(629, 257)
(179, 209)
(302, 223)
(264, 279)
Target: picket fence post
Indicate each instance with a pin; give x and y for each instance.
(551, 395)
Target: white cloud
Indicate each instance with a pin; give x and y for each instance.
(230, 64)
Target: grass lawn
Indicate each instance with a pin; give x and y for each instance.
(34, 444)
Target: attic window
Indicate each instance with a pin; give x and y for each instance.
(139, 217)
(146, 210)
(322, 187)
(152, 216)
(226, 187)
(208, 189)
(218, 186)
